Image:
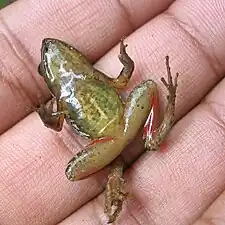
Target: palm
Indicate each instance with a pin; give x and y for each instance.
(174, 187)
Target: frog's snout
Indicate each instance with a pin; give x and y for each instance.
(46, 41)
(45, 44)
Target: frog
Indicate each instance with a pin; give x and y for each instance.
(91, 103)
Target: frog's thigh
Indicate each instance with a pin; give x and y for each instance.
(93, 158)
(140, 103)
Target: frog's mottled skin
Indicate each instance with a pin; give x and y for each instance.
(89, 101)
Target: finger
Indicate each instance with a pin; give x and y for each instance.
(91, 26)
(33, 184)
(178, 186)
(215, 213)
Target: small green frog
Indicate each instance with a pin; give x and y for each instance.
(90, 102)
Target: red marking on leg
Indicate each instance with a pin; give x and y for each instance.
(152, 120)
(100, 140)
(164, 147)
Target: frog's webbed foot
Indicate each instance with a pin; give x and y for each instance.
(156, 137)
(171, 87)
(115, 195)
(51, 118)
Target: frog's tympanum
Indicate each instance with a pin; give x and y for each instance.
(90, 103)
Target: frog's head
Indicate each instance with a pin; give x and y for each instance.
(52, 62)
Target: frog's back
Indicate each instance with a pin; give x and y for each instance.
(95, 109)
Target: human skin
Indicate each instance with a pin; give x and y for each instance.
(182, 184)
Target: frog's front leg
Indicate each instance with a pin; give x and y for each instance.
(128, 67)
(154, 136)
(52, 118)
(126, 72)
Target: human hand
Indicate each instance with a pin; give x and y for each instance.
(172, 187)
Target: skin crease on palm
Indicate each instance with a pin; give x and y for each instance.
(182, 184)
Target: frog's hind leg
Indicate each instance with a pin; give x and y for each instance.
(155, 137)
(115, 195)
(141, 106)
(141, 103)
(141, 109)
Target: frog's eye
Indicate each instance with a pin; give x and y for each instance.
(45, 48)
(46, 43)
(41, 69)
